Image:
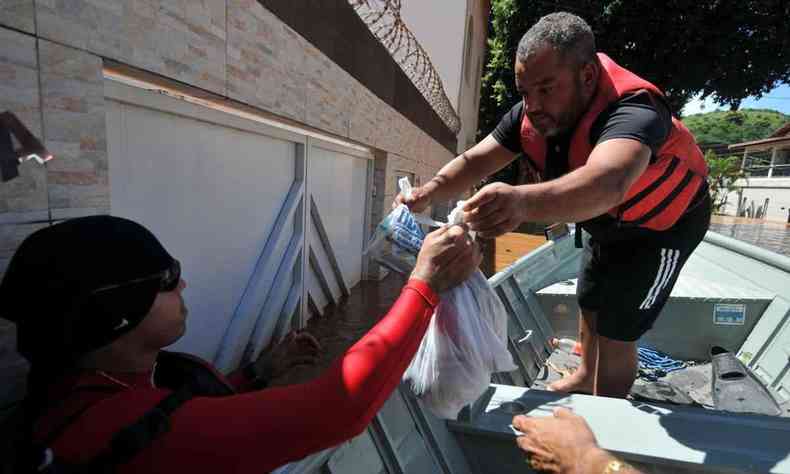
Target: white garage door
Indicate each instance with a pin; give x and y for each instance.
(337, 183)
(227, 197)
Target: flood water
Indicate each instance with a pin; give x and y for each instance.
(773, 236)
(345, 323)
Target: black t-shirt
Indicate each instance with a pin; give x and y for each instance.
(636, 116)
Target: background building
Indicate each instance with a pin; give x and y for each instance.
(454, 36)
(766, 191)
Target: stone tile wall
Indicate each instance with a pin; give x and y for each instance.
(18, 14)
(180, 39)
(72, 93)
(19, 93)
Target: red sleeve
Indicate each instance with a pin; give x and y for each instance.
(259, 431)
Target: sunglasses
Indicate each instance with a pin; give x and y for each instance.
(168, 279)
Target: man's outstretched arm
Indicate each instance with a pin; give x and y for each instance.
(587, 192)
(460, 174)
(593, 189)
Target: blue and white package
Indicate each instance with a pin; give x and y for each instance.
(405, 232)
(397, 241)
(398, 238)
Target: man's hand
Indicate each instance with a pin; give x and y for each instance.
(419, 200)
(460, 174)
(297, 348)
(448, 257)
(562, 444)
(494, 210)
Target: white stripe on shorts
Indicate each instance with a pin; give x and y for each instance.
(674, 254)
(665, 269)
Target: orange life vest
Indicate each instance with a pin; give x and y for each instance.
(663, 192)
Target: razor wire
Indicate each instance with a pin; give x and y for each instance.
(384, 20)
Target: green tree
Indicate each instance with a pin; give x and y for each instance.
(724, 171)
(734, 126)
(728, 49)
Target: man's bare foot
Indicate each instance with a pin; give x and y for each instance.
(577, 382)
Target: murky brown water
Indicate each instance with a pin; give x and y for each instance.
(773, 236)
(343, 325)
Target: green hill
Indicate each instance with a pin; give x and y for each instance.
(735, 127)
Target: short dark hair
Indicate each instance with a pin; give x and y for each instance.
(565, 32)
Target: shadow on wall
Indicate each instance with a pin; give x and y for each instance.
(732, 446)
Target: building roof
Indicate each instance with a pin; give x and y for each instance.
(780, 137)
(783, 131)
(764, 144)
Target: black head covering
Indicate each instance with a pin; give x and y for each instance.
(47, 288)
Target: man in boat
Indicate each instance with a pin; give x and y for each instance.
(95, 300)
(611, 158)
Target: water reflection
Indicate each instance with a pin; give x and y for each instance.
(773, 236)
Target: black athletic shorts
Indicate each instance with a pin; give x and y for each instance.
(627, 280)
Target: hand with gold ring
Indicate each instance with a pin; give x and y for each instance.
(564, 444)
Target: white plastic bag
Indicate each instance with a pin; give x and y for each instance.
(466, 340)
(465, 343)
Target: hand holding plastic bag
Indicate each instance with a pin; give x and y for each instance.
(465, 343)
(466, 340)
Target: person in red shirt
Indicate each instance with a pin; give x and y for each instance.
(95, 301)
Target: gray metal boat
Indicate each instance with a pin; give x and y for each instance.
(730, 294)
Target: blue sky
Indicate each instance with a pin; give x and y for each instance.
(777, 99)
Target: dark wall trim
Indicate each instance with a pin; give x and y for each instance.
(334, 27)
